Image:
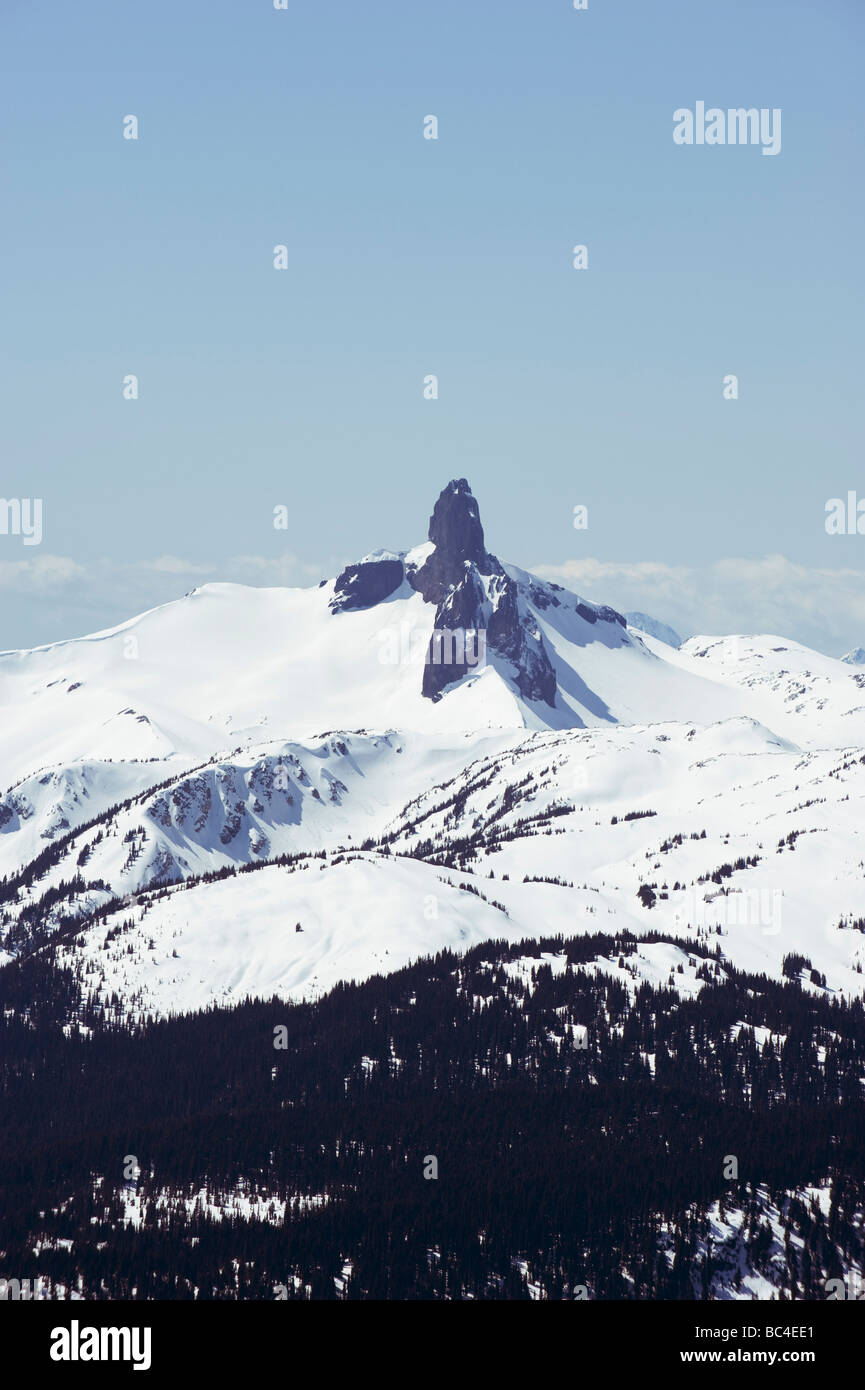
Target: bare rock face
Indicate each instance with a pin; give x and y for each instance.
(365, 585)
(483, 616)
(456, 532)
(515, 636)
(478, 612)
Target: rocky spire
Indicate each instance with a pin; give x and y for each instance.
(480, 617)
(477, 601)
(456, 532)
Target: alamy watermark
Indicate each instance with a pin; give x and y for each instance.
(23, 1290)
(748, 907)
(407, 645)
(22, 516)
(845, 518)
(735, 126)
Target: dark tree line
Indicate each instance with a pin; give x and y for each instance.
(580, 1123)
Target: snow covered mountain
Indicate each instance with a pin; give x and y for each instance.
(603, 878)
(584, 1095)
(362, 758)
(662, 631)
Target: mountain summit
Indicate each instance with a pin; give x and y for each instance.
(474, 595)
(243, 730)
(456, 533)
(484, 613)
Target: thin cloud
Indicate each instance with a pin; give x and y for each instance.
(57, 597)
(822, 608)
(49, 598)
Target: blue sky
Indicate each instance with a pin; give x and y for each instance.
(409, 256)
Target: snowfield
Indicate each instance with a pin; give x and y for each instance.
(714, 790)
(731, 829)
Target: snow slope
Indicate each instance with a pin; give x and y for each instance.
(743, 840)
(230, 667)
(236, 726)
(655, 628)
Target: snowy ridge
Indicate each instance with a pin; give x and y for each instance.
(582, 769)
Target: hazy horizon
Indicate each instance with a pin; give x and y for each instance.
(409, 257)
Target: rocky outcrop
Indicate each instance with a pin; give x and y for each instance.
(366, 584)
(482, 614)
(456, 532)
(478, 612)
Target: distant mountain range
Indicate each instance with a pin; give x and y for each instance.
(662, 631)
(524, 885)
(469, 750)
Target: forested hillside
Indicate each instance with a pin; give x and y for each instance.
(591, 1117)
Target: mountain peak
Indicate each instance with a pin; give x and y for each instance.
(456, 532)
(484, 615)
(456, 523)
